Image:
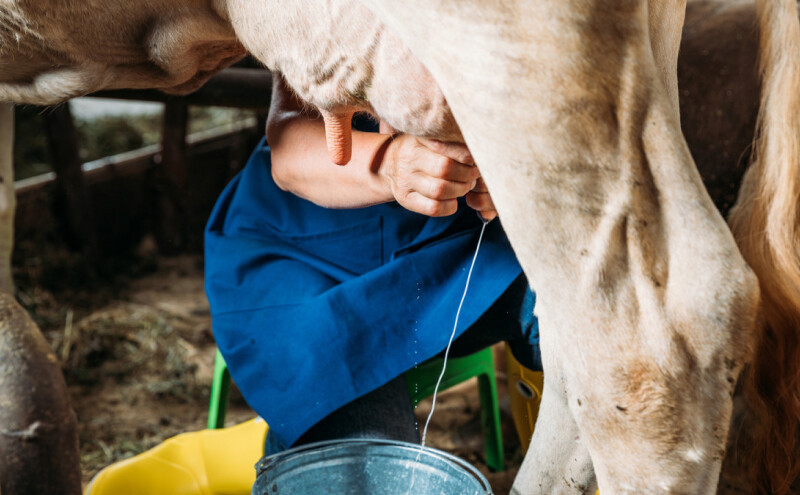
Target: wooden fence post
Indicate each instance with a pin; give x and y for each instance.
(8, 199)
(71, 194)
(170, 228)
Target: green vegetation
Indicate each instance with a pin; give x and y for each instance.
(106, 136)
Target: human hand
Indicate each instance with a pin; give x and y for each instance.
(479, 200)
(427, 176)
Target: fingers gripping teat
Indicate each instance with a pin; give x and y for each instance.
(338, 135)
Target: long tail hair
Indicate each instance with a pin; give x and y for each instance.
(766, 224)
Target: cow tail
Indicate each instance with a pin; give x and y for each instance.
(766, 224)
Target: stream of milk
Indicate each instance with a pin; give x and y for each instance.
(446, 353)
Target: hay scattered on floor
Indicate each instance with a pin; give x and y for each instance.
(138, 359)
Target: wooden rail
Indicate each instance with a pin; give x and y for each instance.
(235, 87)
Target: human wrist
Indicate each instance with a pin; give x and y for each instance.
(383, 166)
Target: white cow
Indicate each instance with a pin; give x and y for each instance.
(647, 308)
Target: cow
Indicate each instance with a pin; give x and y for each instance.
(649, 310)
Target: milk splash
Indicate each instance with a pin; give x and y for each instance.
(447, 352)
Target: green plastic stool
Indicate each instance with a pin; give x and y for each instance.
(421, 382)
(220, 386)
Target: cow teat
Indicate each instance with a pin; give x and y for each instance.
(339, 135)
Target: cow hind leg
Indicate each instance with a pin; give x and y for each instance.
(643, 294)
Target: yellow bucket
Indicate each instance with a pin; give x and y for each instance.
(206, 462)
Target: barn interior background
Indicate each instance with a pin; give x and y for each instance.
(111, 210)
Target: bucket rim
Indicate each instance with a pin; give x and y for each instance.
(268, 461)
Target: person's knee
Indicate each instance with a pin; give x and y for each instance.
(525, 343)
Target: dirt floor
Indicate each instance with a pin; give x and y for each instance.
(138, 357)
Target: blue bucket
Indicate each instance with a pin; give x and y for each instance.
(367, 467)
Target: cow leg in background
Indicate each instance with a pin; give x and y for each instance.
(38, 429)
(646, 306)
(7, 196)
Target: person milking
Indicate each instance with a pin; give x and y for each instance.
(327, 283)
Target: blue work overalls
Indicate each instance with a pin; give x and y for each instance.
(313, 307)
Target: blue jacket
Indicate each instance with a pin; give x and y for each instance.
(313, 307)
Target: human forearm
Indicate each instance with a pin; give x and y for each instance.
(301, 165)
(423, 175)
